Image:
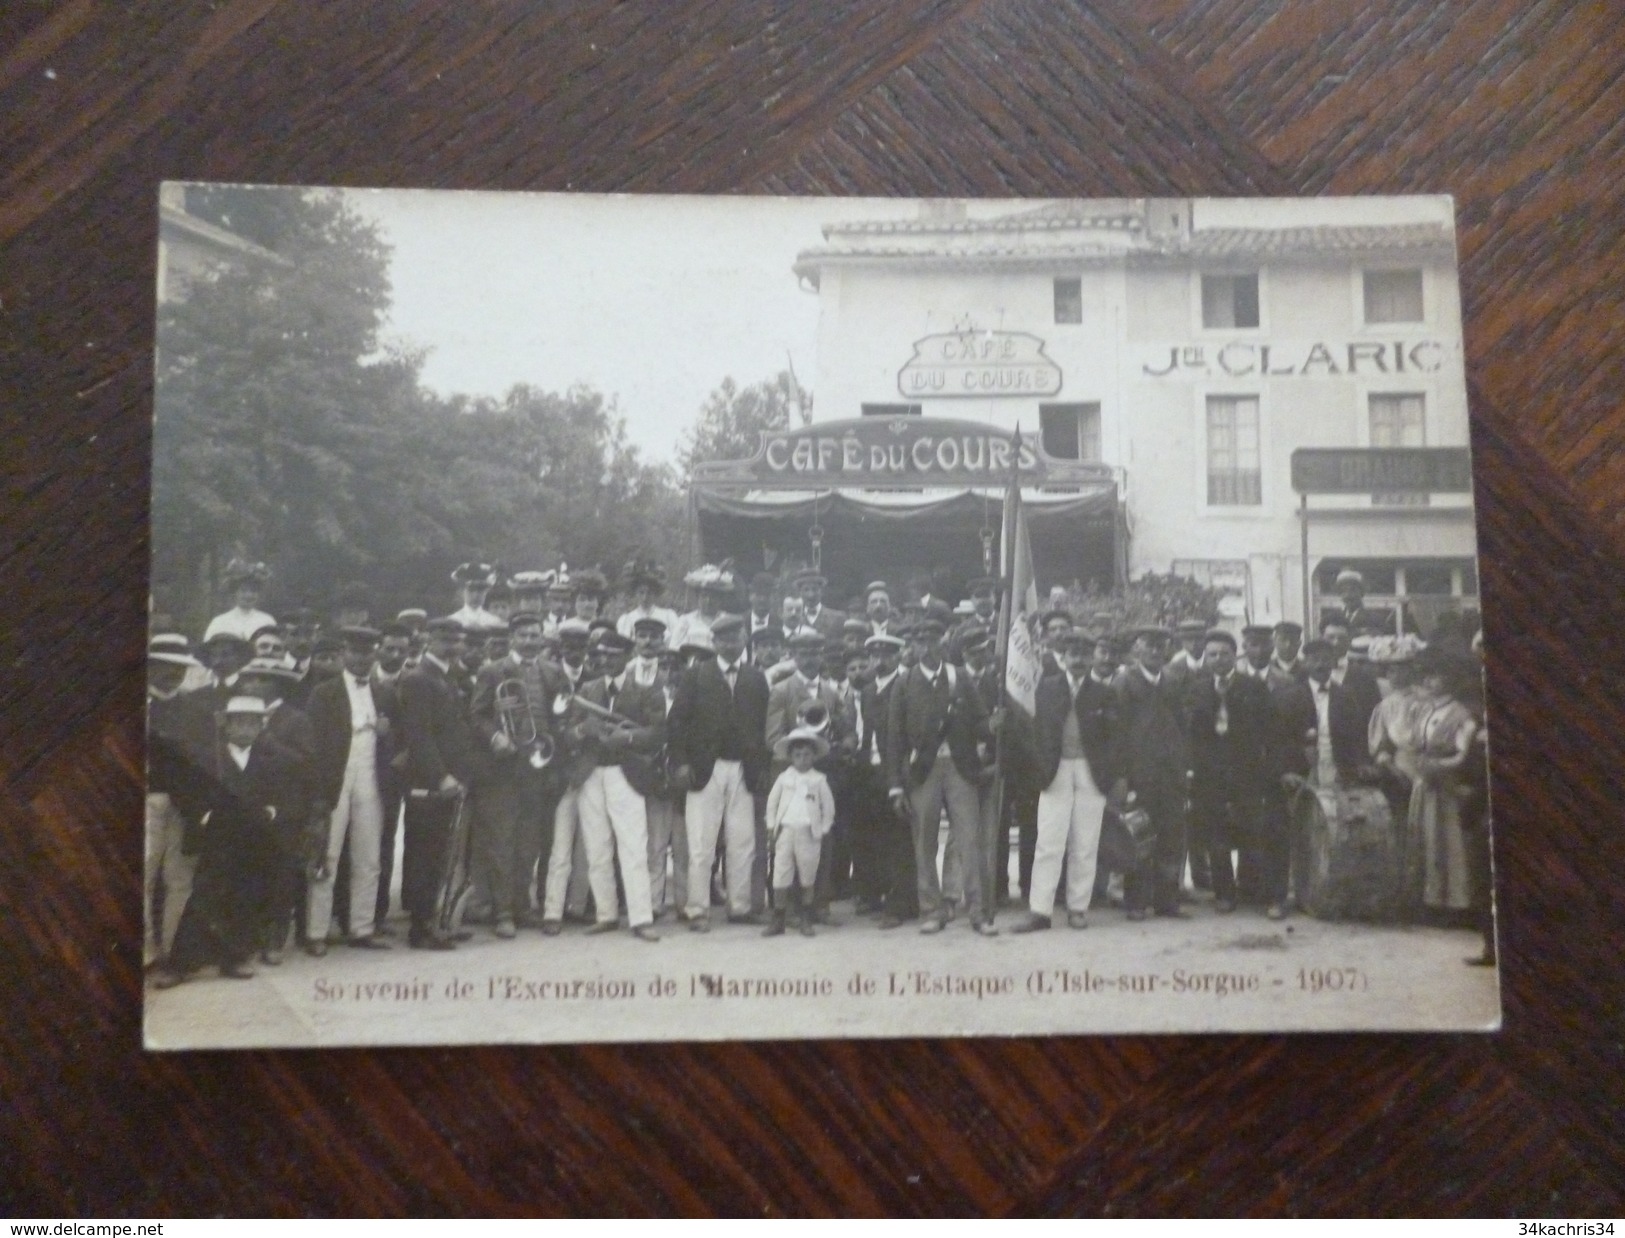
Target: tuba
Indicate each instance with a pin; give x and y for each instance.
(519, 724)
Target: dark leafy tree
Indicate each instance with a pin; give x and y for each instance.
(732, 418)
(287, 431)
(274, 402)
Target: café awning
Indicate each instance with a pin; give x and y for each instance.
(890, 534)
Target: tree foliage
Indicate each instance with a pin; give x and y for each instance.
(273, 403)
(286, 432)
(1151, 600)
(732, 418)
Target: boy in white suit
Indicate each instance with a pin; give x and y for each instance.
(800, 811)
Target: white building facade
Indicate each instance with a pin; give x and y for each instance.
(1191, 346)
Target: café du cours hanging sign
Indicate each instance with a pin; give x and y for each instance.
(972, 363)
(897, 452)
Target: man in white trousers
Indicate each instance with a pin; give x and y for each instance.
(614, 817)
(718, 746)
(352, 729)
(575, 762)
(174, 727)
(1073, 719)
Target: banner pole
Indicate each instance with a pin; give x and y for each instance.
(1007, 575)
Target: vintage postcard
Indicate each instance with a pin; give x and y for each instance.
(626, 618)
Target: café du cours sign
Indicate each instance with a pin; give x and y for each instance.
(978, 363)
(897, 452)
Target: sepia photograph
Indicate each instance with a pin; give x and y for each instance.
(585, 618)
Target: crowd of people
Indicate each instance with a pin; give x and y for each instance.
(548, 765)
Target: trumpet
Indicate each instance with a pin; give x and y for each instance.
(519, 724)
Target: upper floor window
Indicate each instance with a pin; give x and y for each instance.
(1398, 421)
(1068, 300)
(1233, 473)
(1071, 431)
(1230, 300)
(1393, 296)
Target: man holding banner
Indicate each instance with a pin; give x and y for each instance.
(1020, 669)
(1074, 726)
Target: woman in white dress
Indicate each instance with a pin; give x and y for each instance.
(1396, 748)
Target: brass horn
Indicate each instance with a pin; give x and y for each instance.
(565, 701)
(519, 724)
(814, 714)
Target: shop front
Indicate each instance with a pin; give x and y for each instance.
(894, 497)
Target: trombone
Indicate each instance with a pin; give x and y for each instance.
(519, 724)
(618, 722)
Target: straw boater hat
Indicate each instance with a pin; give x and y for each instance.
(574, 629)
(699, 643)
(269, 668)
(802, 735)
(171, 647)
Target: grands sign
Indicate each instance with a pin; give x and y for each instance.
(896, 451)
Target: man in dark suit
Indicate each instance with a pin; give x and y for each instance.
(516, 796)
(1290, 743)
(882, 839)
(879, 617)
(718, 730)
(1185, 663)
(802, 688)
(439, 763)
(393, 651)
(1073, 722)
(1052, 627)
(246, 784)
(1359, 685)
(1230, 720)
(668, 833)
(984, 616)
(1287, 661)
(937, 724)
(1344, 701)
(762, 593)
(1149, 765)
(841, 694)
(614, 818)
(290, 729)
(977, 658)
(809, 585)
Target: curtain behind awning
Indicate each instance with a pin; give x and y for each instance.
(889, 535)
(1042, 508)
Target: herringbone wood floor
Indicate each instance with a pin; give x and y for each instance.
(1516, 108)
